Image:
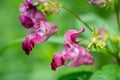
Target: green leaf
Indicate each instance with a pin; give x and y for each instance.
(109, 72)
(76, 76)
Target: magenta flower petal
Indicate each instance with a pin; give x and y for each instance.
(57, 61)
(27, 45)
(49, 28)
(31, 16)
(39, 35)
(26, 21)
(75, 53)
(30, 41)
(71, 35)
(38, 16)
(79, 56)
(23, 8)
(36, 39)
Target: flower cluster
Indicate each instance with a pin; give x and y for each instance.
(99, 39)
(34, 20)
(50, 6)
(73, 51)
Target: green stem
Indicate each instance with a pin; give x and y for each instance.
(117, 16)
(75, 15)
(118, 59)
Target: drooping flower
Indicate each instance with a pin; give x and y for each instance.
(33, 20)
(72, 51)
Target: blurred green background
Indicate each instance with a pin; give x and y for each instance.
(15, 65)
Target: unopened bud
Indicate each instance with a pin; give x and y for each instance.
(99, 38)
(101, 44)
(101, 3)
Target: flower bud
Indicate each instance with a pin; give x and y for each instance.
(101, 44)
(101, 3)
(111, 3)
(50, 7)
(99, 39)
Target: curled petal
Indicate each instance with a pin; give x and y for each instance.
(30, 42)
(27, 45)
(23, 8)
(71, 35)
(26, 21)
(57, 61)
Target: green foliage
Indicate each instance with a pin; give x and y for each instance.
(76, 76)
(109, 72)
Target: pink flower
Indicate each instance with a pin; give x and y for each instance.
(73, 51)
(33, 20)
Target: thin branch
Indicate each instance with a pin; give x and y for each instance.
(75, 15)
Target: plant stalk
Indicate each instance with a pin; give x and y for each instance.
(117, 16)
(75, 15)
